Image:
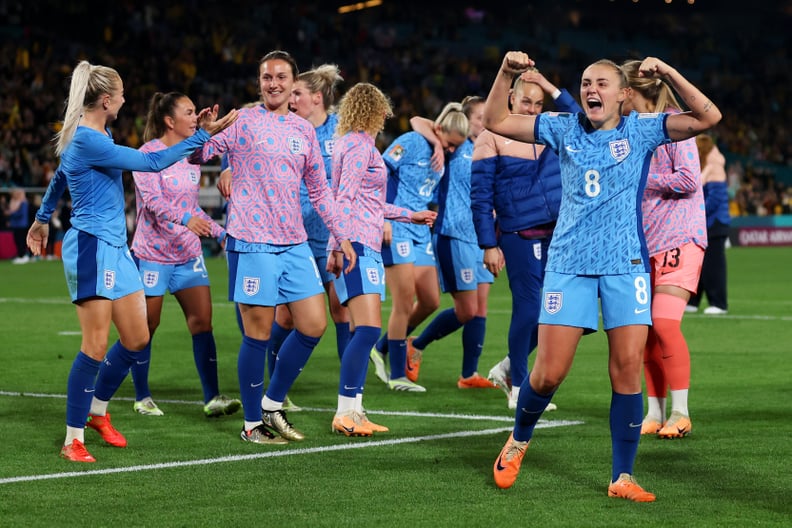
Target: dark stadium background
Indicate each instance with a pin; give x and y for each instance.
(422, 54)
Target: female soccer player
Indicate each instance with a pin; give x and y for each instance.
(460, 264)
(407, 250)
(598, 249)
(167, 249)
(360, 184)
(102, 278)
(270, 153)
(676, 237)
(313, 98)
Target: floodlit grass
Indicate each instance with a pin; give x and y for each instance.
(435, 466)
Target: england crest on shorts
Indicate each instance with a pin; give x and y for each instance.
(403, 249)
(620, 149)
(295, 144)
(150, 278)
(553, 302)
(250, 285)
(537, 248)
(373, 275)
(109, 279)
(467, 275)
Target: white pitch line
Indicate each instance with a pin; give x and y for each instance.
(275, 454)
(417, 414)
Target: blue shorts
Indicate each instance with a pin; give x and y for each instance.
(159, 278)
(319, 251)
(407, 251)
(571, 300)
(367, 277)
(284, 275)
(460, 265)
(321, 265)
(94, 268)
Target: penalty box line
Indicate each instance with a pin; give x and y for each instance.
(415, 414)
(276, 454)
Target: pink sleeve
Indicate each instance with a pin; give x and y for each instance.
(399, 214)
(675, 168)
(149, 186)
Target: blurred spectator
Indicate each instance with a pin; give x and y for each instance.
(18, 215)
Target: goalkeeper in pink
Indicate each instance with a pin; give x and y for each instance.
(167, 250)
(270, 153)
(674, 223)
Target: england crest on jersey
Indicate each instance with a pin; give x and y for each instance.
(328, 145)
(403, 249)
(553, 302)
(620, 149)
(150, 278)
(109, 279)
(250, 285)
(467, 275)
(373, 275)
(295, 145)
(195, 177)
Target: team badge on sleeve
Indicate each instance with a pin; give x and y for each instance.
(373, 275)
(553, 302)
(396, 153)
(150, 278)
(620, 149)
(250, 285)
(295, 145)
(109, 279)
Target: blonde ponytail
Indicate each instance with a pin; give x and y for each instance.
(88, 83)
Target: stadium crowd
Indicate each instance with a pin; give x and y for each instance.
(420, 57)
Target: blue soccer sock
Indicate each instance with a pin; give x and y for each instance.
(626, 414)
(355, 360)
(278, 335)
(444, 323)
(205, 356)
(293, 356)
(80, 389)
(383, 343)
(113, 370)
(398, 358)
(523, 336)
(140, 373)
(530, 406)
(342, 338)
(250, 370)
(472, 344)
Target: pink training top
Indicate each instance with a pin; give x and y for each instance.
(360, 183)
(166, 201)
(673, 201)
(269, 155)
